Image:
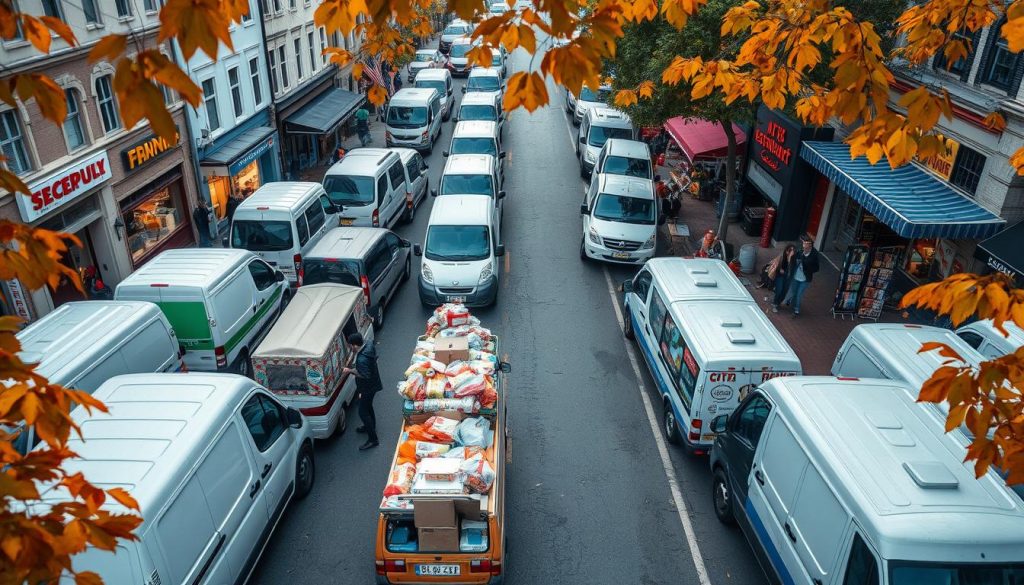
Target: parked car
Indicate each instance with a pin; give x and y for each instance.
(588, 99)
(499, 62)
(424, 59)
(455, 30)
(369, 184)
(414, 118)
(599, 125)
(476, 137)
(474, 174)
(989, 341)
(458, 62)
(485, 80)
(481, 106)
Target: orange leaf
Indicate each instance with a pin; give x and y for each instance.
(198, 25)
(625, 98)
(61, 28)
(108, 48)
(124, 498)
(377, 95)
(36, 33)
(527, 90)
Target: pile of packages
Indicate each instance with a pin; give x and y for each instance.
(452, 367)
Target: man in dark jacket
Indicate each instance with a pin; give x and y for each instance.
(802, 270)
(367, 385)
(201, 217)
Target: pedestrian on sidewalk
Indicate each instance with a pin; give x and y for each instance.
(367, 385)
(363, 126)
(805, 264)
(780, 272)
(201, 217)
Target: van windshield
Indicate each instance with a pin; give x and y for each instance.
(458, 242)
(466, 185)
(424, 57)
(461, 49)
(407, 116)
(907, 573)
(486, 113)
(474, 146)
(349, 189)
(588, 95)
(600, 134)
(631, 167)
(318, 270)
(624, 209)
(261, 236)
(456, 29)
(433, 84)
(483, 83)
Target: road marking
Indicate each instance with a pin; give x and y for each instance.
(666, 462)
(508, 262)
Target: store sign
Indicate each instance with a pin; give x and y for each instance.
(775, 145)
(253, 154)
(769, 186)
(65, 186)
(146, 151)
(943, 165)
(18, 300)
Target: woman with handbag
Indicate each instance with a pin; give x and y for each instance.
(783, 275)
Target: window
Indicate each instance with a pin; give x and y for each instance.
(394, 244)
(284, 67)
(277, 5)
(73, 121)
(377, 260)
(967, 169)
(642, 284)
(151, 221)
(749, 421)
(657, 316)
(315, 217)
(298, 58)
(92, 12)
(261, 236)
(973, 339)
(19, 34)
(862, 568)
(273, 71)
(236, 92)
(962, 66)
(1001, 66)
(397, 175)
(254, 76)
(323, 45)
(265, 421)
(107, 104)
(303, 229)
(262, 274)
(168, 94)
(413, 169)
(382, 187)
(312, 52)
(124, 8)
(53, 8)
(150, 6)
(267, 8)
(291, 4)
(210, 101)
(12, 144)
(247, 17)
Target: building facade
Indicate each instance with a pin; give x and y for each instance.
(124, 193)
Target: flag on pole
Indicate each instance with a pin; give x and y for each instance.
(373, 69)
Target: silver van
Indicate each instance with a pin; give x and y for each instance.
(441, 80)
(413, 118)
(369, 185)
(600, 124)
(475, 174)
(477, 137)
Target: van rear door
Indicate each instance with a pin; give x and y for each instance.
(186, 310)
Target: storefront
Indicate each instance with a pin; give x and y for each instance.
(239, 166)
(698, 151)
(314, 126)
(1004, 252)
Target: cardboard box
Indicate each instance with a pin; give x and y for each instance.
(419, 418)
(451, 349)
(470, 509)
(439, 540)
(439, 468)
(434, 513)
(424, 486)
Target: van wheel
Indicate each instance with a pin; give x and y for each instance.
(408, 270)
(583, 251)
(305, 472)
(378, 316)
(721, 496)
(670, 425)
(627, 324)
(242, 365)
(339, 429)
(410, 213)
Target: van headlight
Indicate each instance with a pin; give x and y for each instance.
(588, 155)
(592, 234)
(425, 272)
(650, 242)
(486, 274)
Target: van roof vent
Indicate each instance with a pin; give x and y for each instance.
(931, 475)
(730, 322)
(700, 270)
(741, 337)
(705, 282)
(883, 420)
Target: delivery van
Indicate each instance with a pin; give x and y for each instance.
(413, 119)
(705, 340)
(281, 222)
(842, 481)
(441, 80)
(989, 341)
(213, 461)
(221, 302)
(82, 344)
(599, 125)
(369, 184)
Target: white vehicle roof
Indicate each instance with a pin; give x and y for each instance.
(683, 279)
(734, 335)
(427, 52)
(625, 186)
(364, 161)
(484, 72)
(475, 129)
(627, 148)
(310, 323)
(412, 96)
(196, 267)
(479, 98)
(609, 117)
(405, 153)
(987, 330)
(75, 335)
(157, 427)
(346, 242)
(461, 210)
(462, 41)
(433, 75)
(599, 89)
(469, 164)
(279, 196)
(895, 349)
(907, 487)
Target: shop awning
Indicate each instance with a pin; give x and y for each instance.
(242, 150)
(1004, 251)
(909, 199)
(702, 139)
(324, 113)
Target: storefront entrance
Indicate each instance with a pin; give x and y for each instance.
(156, 219)
(84, 221)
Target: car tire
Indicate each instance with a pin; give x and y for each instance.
(721, 498)
(378, 316)
(408, 270)
(669, 424)
(305, 472)
(627, 324)
(339, 429)
(583, 251)
(243, 367)
(583, 170)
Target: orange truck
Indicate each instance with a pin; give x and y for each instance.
(448, 538)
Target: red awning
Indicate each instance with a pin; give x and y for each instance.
(702, 139)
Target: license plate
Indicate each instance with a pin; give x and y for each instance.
(620, 255)
(346, 221)
(438, 570)
(456, 299)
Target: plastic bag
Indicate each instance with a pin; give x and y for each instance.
(443, 428)
(477, 355)
(429, 368)
(414, 387)
(424, 450)
(407, 453)
(464, 452)
(424, 347)
(400, 480)
(482, 367)
(458, 367)
(468, 405)
(489, 397)
(436, 388)
(478, 474)
(468, 385)
(475, 432)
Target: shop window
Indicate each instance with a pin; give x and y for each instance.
(298, 58)
(107, 103)
(254, 76)
(124, 8)
(1001, 66)
(73, 121)
(920, 258)
(236, 92)
(961, 67)
(92, 12)
(967, 169)
(210, 101)
(53, 9)
(151, 221)
(12, 144)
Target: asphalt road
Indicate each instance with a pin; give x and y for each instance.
(589, 499)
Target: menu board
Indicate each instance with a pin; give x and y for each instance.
(851, 280)
(876, 283)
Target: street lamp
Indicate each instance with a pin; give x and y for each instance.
(118, 227)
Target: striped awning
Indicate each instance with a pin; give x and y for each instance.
(909, 199)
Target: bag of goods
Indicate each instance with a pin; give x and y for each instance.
(468, 384)
(436, 388)
(468, 405)
(478, 473)
(449, 315)
(429, 368)
(458, 367)
(414, 387)
(475, 432)
(400, 480)
(407, 453)
(424, 450)
(464, 452)
(482, 367)
(396, 503)
(477, 355)
(443, 428)
(424, 348)
(489, 397)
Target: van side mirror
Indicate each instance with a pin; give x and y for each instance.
(582, 138)
(502, 154)
(463, 89)
(405, 243)
(584, 210)
(417, 249)
(279, 276)
(626, 286)
(332, 208)
(499, 250)
(501, 194)
(455, 118)
(504, 367)
(719, 423)
(445, 154)
(433, 192)
(424, 166)
(294, 418)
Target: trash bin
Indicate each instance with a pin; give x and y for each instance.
(748, 258)
(753, 219)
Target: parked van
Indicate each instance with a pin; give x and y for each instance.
(705, 340)
(989, 341)
(221, 302)
(441, 80)
(842, 481)
(475, 174)
(81, 344)
(212, 460)
(600, 124)
(619, 156)
(458, 56)
(588, 99)
(281, 222)
(620, 220)
(369, 185)
(460, 253)
(478, 137)
(413, 118)
(481, 106)
(417, 182)
(456, 29)
(485, 80)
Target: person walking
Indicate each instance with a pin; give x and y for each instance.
(367, 385)
(363, 126)
(782, 269)
(201, 217)
(805, 264)
(234, 201)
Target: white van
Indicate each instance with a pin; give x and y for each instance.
(481, 106)
(281, 222)
(478, 137)
(842, 482)
(619, 156)
(212, 460)
(620, 220)
(460, 253)
(369, 185)
(81, 344)
(475, 174)
(441, 80)
(221, 302)
(705, 340)
(417, 182)
(989, 341)
(600, 124)
(413, 118)
(485, 80)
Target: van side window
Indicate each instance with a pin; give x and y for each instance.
(394, 244)
(672, 350)
(748, 423)
(262, 274)
(858, 364)
(642, 284)
(377, 260)
(264, 420)
(412, 168)
(325, 203)
(973, 339)
(657, 316)
(300, 225)
(382, 188)
(397, 175)
(315, 217)
(185, 529)
(862, 568)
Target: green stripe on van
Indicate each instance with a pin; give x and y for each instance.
(190, 324)
(244, 331)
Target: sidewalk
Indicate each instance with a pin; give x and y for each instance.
(815, 335)
(316, 173)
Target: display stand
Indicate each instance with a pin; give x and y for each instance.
(876, 284)
(851, 280)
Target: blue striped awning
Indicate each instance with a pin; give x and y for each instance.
(909, 199)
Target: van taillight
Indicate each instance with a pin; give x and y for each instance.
(696, 425)
(365, 283)
(222, 357)
(297, 259)
(484, 566)
(376, 218)
(408, 200)
(390, 566)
